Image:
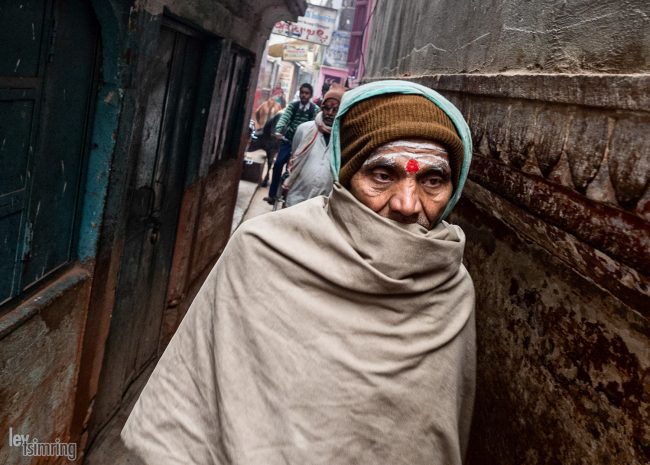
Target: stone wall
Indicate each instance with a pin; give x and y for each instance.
(556, 211)
(495, 36)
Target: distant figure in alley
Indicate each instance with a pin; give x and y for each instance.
(361, 348)
(296, 113)
(309, 165)
(269, 108)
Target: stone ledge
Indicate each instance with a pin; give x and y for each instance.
(622, 281)
(614, 91)
(43, 298)
(615, 232)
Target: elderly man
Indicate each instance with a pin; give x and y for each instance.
(309, 165)
(361, 349)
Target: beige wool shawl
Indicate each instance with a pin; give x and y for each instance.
(325, 334)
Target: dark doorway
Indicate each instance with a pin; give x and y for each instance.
(154, 202)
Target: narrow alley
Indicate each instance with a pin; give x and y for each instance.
(137, 136)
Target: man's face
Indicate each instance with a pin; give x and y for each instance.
(408, 181)
(329, 108)
(305, 95)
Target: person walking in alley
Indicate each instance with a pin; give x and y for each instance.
(309, 165)
(362, 348)
(295, 113)
(323, 90)
(268, 109)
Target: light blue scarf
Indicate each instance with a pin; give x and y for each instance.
(366, 91)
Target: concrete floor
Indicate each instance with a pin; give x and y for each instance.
(108, 448)
(257, 205)
(245, 194)
(250, 197)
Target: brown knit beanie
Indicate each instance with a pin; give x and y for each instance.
(386, 118)
(336, 92)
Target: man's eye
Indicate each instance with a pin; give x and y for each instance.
(381, 176)
(432, 181)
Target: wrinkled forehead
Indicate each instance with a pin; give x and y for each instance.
(421, 150)
(412, 146)
(330, 102)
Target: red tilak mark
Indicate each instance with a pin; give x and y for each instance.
(412, 166)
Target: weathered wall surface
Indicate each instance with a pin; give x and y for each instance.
(556, 211)
(246, 22)
(52, 342)
(211, 186)
(208, 202)
(506, 35)
(203, 231)
(39, 362)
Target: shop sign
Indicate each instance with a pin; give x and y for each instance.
(295, 52)
(316, 26)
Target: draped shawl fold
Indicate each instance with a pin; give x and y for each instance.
(325, 334)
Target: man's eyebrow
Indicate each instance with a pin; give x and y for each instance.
(381, 161)
(376, 161)
(433, 162)
(440, 170)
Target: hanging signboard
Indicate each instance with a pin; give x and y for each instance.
(295, 52)
(316, 26)
(336, 55)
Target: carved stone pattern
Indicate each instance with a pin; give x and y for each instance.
(629, 160)
(570, 145)
(586, 132)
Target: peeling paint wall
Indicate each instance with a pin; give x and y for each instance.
(201, 237)
(39, 363)
(556, 212)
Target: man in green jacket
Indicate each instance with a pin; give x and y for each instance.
(294, 115)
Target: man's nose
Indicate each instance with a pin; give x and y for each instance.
(406, 200)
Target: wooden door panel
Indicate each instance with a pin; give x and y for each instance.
(156, 194)
(69, 91)
(169, 181)
(21, 25)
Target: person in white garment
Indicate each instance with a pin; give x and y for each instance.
(310, 164)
